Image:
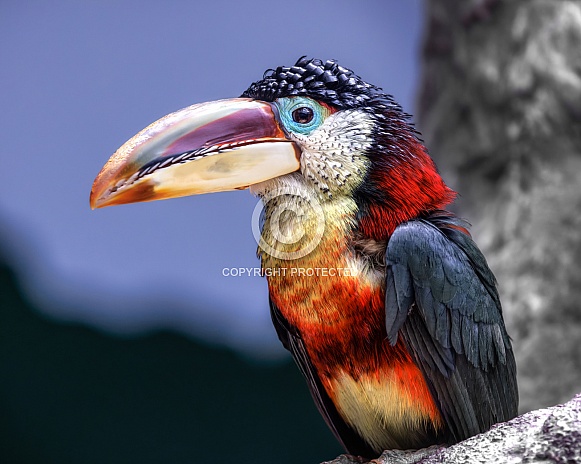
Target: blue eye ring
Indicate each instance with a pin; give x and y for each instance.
(301, 115)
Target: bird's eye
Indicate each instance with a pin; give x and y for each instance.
(303, 115)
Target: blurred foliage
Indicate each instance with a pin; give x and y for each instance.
(69, 394)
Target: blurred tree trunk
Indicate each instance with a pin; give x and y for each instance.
(500, 110)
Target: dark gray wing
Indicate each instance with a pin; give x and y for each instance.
(441, 299)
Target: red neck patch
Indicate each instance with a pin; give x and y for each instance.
(403, 183)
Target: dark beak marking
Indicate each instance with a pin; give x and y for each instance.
(179, 158)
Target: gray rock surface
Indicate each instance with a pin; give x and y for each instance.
(551, 435)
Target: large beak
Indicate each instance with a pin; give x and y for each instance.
(209, 147)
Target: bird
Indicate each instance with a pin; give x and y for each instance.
(378, 291)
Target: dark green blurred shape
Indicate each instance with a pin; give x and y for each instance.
(69, 394)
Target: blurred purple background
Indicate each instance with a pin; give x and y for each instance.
(80, 78)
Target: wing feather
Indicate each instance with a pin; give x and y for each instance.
(441, 298)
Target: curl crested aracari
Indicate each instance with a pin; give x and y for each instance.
(408, 348)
